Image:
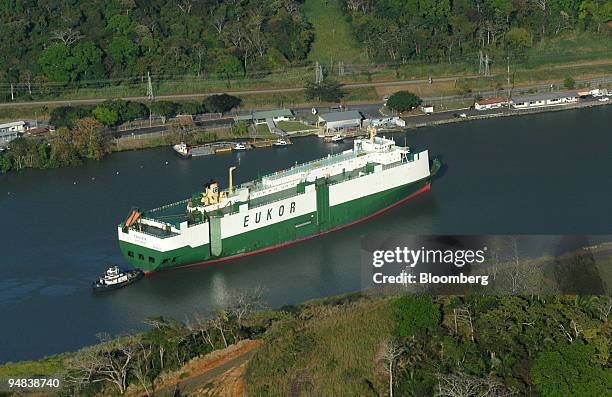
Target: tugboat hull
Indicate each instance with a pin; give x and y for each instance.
(133, 276)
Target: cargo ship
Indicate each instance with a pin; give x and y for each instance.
(278, 209)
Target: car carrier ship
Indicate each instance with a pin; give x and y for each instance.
(278, 209)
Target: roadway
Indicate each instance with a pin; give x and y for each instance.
(68, 102)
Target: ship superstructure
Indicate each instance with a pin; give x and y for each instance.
(278, 209)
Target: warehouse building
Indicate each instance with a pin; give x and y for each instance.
(337, 121)
(544, 99)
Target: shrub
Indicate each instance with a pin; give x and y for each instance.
(414, 314)
(403, 101)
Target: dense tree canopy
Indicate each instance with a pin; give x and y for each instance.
(415, 314)
(569, 371)
(403, 101)
(63, 41)
(435, 30)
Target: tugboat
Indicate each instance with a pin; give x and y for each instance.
(115, 278)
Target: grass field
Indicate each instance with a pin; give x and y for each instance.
(333, 353)
(262, 129)
(292, 126)
(333, 40)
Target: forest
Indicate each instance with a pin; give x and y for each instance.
(397, 31)
(51, 45)
(67, 41)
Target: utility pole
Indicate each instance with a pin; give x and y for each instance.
(480, 62)
(149, 87)
(12, 93)
(508, 78)
(487, 71)
(318, 73)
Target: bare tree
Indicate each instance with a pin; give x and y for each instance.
(143, 366)
(109, 361)
(159, 323)
(463, 385)
(463, 316)
(572, 331)
(219, 19)
(392, 350)
(241, 303)
(515, 275)
(67, 36)
(220, 323)
(202, 326)
(604, 307)
(185, 6)
(200, 51)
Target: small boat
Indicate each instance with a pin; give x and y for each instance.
(115, 278)
(337, 138)
(182, 149)
(280, 142)
(239, 146)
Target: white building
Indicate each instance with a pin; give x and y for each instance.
(15, 126)
(490, 103)
(10, 131)
(340, 120)
(544, 99)
(428, 109)
(275, 115)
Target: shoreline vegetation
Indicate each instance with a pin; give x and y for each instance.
(544, 334)
(87, 138)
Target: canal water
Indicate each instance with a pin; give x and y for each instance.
(538, 174)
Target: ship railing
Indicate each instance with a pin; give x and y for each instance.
(163, 207)
(165, 234)
(328, 159)
(273, 201)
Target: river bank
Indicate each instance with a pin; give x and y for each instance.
(265, 351)
(157, 139)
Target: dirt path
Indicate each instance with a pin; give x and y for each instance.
(219, 373)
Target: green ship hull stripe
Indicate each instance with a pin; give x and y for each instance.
(296, 228)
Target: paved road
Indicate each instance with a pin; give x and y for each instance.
(234, 92)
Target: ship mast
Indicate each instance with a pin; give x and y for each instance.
(231, 180)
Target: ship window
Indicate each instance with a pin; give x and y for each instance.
(131, 254)
(141, 257)
(151, 259)
(165, 261)
(174, 259)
